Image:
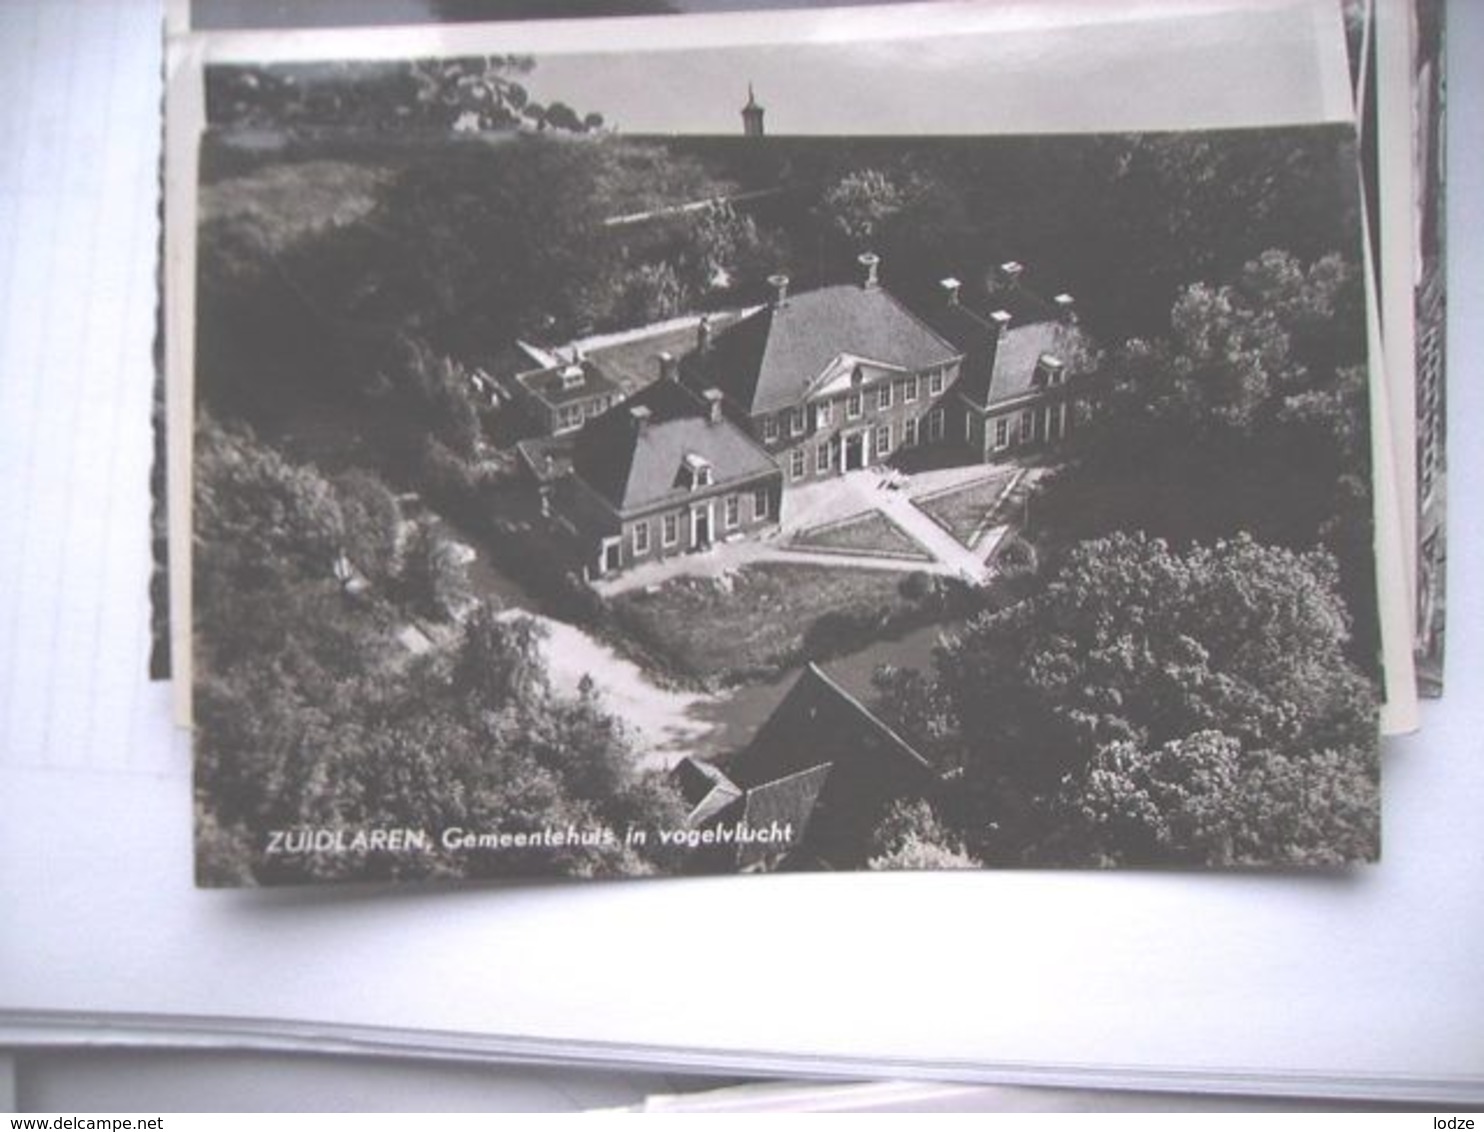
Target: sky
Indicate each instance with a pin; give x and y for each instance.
(1019, 66)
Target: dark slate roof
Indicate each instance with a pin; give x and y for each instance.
(789, 802)
(871, 766)
(998, 369)
(971, 334)
(706, 790)
(634, 468)
(767, 361)
(1015, 361)
(548, 385)
(818, 720)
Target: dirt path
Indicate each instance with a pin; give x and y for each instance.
(662, 720)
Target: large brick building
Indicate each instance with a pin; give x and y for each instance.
(832, 380)
(812, 386)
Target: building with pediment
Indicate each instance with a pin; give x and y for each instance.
(811, 386)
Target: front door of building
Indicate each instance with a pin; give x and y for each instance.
(855, 452)
(610, 557)
(700, 526)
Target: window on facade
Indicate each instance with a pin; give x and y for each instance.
(883, 440)
(571, 416)
(1001, 432)
(670, 530)
(853, 405)
(796, 463)
(822, 458)
(883, 395)
(760, 503)
(733, 511)
(935, 383)
(822, 415)
(641, 537)
(909, 389)
(935, 425)
(1027, 425)
(909, 433)
(796, 422)
(770, 429)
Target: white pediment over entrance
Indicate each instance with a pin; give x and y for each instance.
(840, 375)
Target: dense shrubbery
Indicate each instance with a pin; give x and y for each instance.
(311, 715)
(1153, 706)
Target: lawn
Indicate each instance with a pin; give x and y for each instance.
(967, 511)
(763, 617)
(870, 532)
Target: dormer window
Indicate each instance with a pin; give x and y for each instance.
(1050, 370)
(571, 377)
(698, 473)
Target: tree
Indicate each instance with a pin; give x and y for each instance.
(860, 203)
(371, 523)
(439, 396)
(257, 517)
(433, 579)
(477, 94)
(1144, 689)
(911, 837)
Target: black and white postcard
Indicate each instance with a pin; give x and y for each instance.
(586, 485)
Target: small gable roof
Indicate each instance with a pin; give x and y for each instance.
(769, 360)
(634, 467)
(706, 790)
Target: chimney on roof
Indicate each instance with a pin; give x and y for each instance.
(640, 415)
(950, 290)
(1001, 321)
(703, 334)
(1066, 306)
(870, 261)
(1009, 273)
(669, 371)
(713, 405)
(780, 290)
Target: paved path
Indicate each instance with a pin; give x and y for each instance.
(662, 722)
(934, 539)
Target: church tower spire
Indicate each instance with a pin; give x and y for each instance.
(752, 116)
